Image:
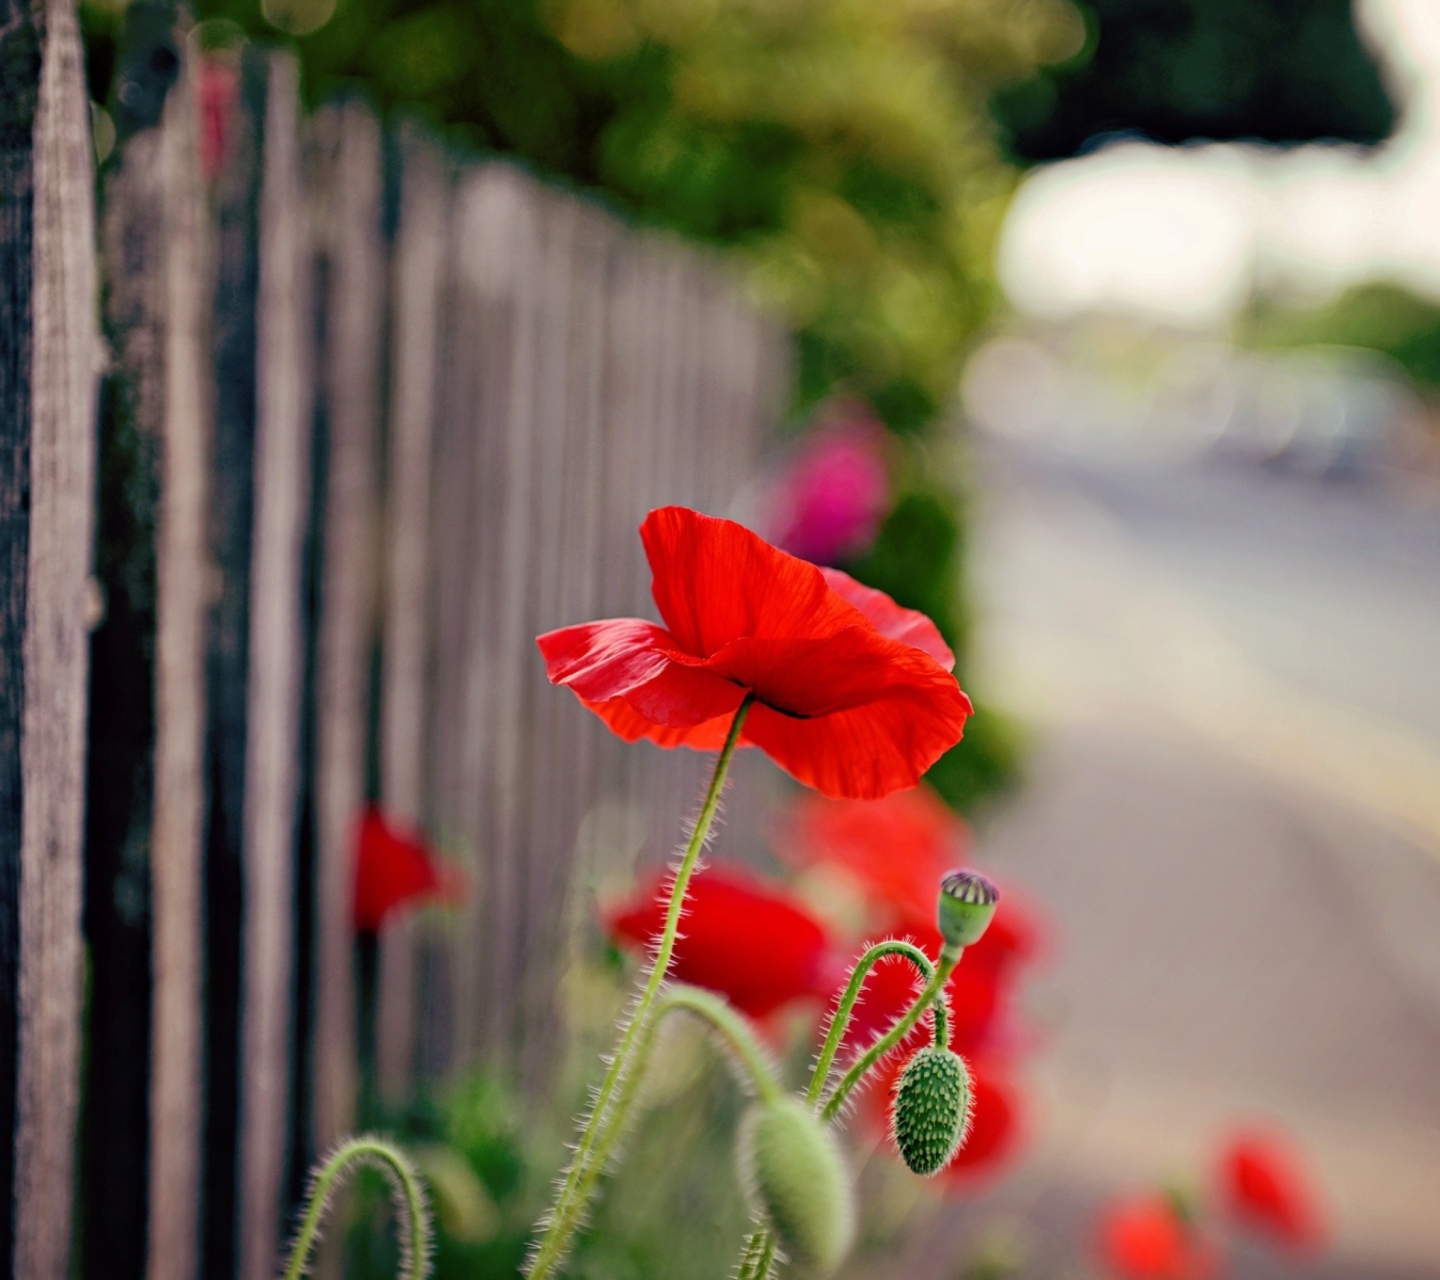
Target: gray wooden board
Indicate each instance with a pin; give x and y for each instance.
(282, 503)
(417, 292)
(352, 361)
(64, 358)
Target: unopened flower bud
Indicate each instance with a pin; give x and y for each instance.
(931, 1110)
(967, 904)
(795, 1173)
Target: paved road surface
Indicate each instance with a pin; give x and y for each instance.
(1233, 678)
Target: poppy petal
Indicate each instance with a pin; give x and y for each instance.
(634, 660)
(862, 718)
(909, 626)
(627, 723)
(716, 581)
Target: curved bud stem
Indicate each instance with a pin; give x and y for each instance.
(606, 1115)
(846, 1008)
(723, 1017)
(949, 958)
(409, 1198)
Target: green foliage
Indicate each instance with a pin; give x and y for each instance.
(482, 1174)
(843, 148)
(918, 559)
(1382, 317)
(1284, 71)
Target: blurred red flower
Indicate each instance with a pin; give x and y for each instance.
(217, 92)
(896, 849)
(1146, 1238)
(854, 695)
(829, 502)
(748, 940)
(995, 1128)
(395, 867)
(1264, 1186)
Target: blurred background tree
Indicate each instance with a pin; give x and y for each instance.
(1379, 316)
(1277, 71)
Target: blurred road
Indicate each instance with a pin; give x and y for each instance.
(1233, 679)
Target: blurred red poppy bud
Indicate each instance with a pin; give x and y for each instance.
(967, 905)
(395, 867)
(1147, 1238)
(748, 940)
(1264, 1186)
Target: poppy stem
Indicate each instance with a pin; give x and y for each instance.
(949, 958)
(608, 1113)
(405, 1188)
(820, 1077)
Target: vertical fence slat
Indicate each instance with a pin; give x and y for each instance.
(64, 355)
(282, 440)
(182, 599)
(414, 357)
(354, 327)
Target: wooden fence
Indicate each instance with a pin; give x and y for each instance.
(373, 417)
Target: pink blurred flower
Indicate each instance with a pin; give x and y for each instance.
(217, 90)
(830, 501)
(1265, 1186)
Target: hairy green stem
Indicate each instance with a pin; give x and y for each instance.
(590, 1153)
(949, 957)
(414, 1221)
(843, 1011)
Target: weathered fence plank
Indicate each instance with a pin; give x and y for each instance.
(417, 293)
(182, 600)
(50, 359)
(235, 192)
(276, 649)
(354, 311)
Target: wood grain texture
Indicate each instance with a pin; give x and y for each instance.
(353, 358)
(282, 503)
(64, 361)
(182, 599)
(417, 276)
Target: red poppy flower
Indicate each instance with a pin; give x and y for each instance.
(394, 867)
(896, 849)
(750, 942)
(1147, 1239)
(1264, 1186)
(854, 695)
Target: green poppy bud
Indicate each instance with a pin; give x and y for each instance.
(967, 905)
(793, 1169)
(932, 1109)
